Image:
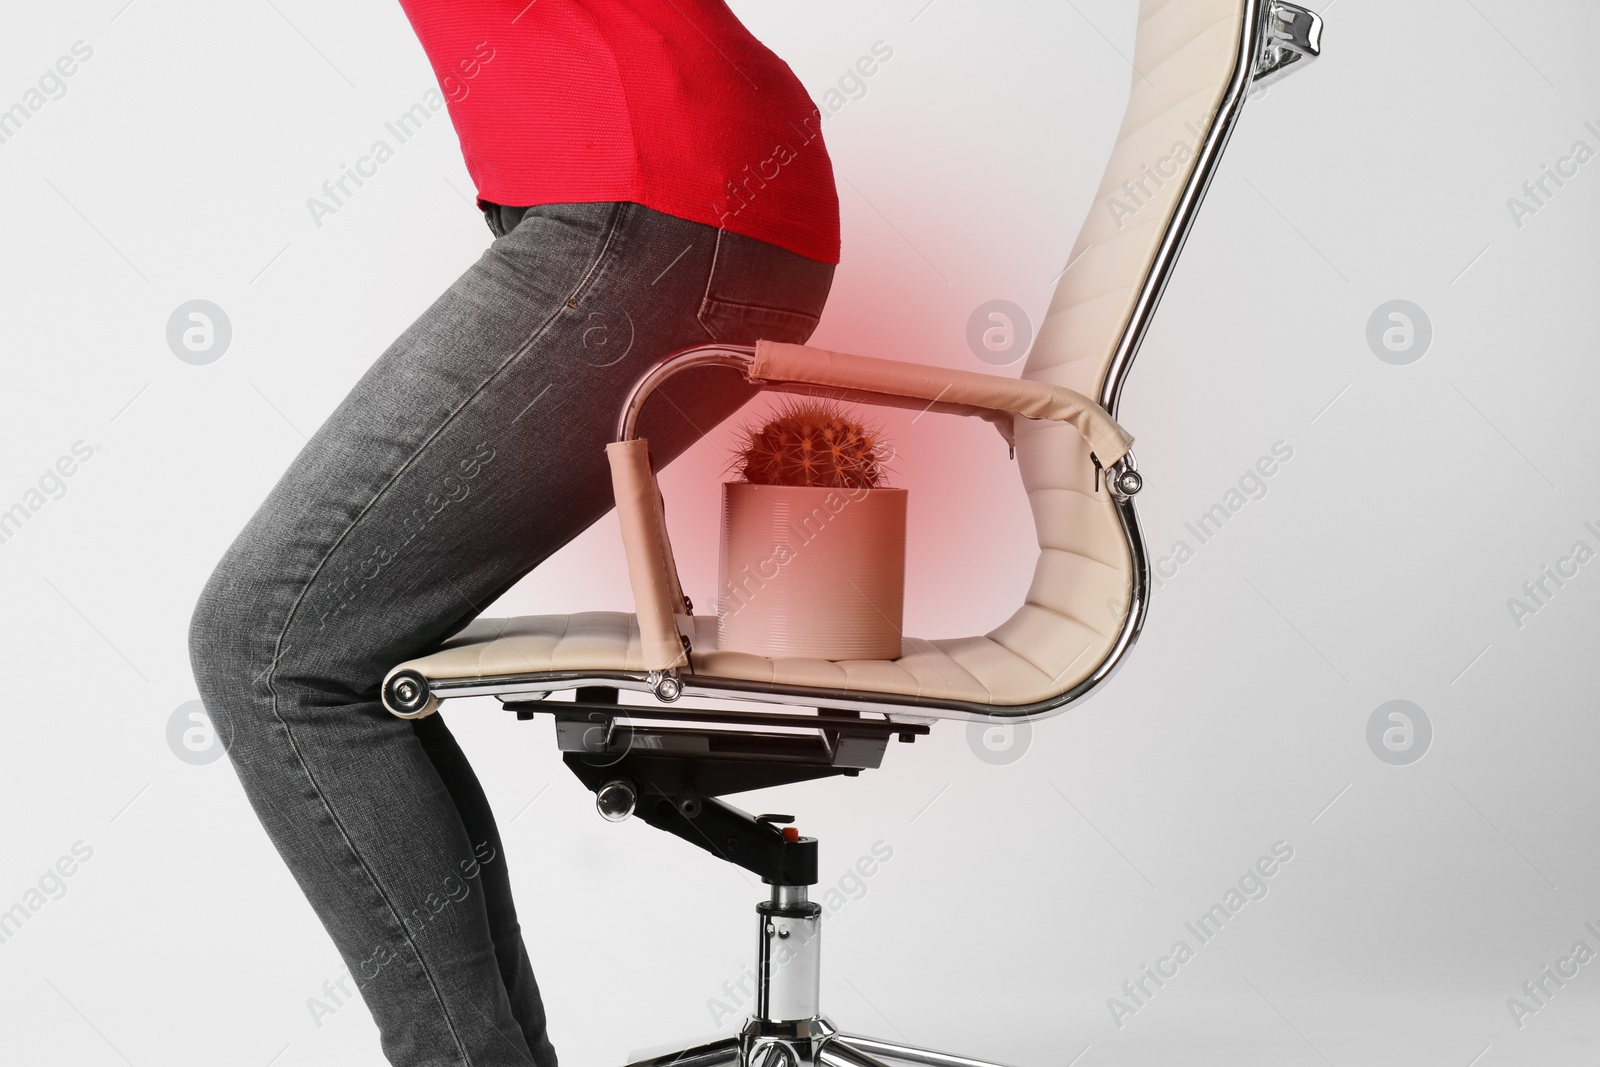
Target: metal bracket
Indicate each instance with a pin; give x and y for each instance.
(666, 684)
(1293, 38)
(1124, 479)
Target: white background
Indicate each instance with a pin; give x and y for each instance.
(1021, 896)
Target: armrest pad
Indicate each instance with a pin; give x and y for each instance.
(651, 572)
(1036, 400)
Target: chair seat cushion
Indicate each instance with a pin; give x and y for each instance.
(978, 669)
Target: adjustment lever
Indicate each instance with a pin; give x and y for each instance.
(788, 833)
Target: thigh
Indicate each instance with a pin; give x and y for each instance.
(475, 446)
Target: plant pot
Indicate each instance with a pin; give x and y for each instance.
(811, 571)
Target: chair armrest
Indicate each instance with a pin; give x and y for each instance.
(1021, 396)
(658, 599)
(1000, 420)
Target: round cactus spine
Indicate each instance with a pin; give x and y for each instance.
(812, 442)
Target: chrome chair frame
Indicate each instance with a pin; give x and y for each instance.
(787, 1027)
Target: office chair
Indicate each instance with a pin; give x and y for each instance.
(668, 761)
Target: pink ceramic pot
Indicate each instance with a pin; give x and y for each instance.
(811, 571)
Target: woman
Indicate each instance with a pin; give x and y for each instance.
(671, 188)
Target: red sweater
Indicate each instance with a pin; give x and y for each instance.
(667, 103)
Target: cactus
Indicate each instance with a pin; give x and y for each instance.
(812, 442)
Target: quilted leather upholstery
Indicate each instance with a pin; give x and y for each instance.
(609, 640)
(1184, 57)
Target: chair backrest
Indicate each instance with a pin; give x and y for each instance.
(1193, 61)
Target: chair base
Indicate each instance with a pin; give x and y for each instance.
(671, 776)
(810, 1043)
(787, 1028)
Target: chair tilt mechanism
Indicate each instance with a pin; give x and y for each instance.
(670, 775)
(668, 761)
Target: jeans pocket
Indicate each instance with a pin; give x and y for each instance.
(759, 291)
(734, 323)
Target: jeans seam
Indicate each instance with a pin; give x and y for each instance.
(612, 225)
(711, 277)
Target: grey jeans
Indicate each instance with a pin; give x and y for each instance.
(468, 453)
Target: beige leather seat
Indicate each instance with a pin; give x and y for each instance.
(610, 640)
(1194, 60)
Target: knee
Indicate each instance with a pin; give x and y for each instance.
(225, 644)
(258, 640)
(209, 625)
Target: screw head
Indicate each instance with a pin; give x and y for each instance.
(1129, 482)
(407, 693)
